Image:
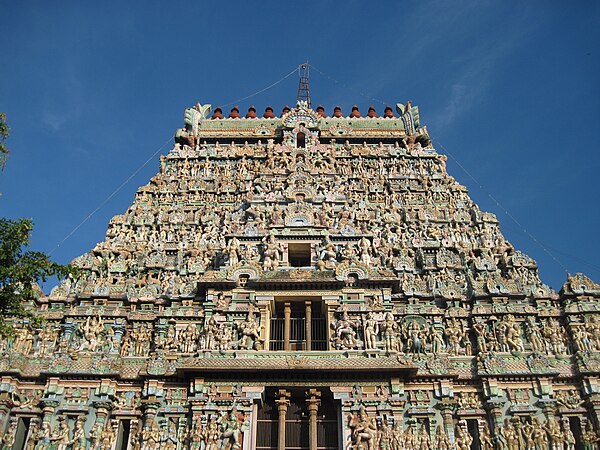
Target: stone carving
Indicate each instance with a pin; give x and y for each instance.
(364, 430)
(407, 275)
(249, 331)
(344, 336)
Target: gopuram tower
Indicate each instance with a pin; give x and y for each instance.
(304, 282)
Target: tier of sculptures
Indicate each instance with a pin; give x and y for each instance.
(217, 432)
(390, 207)
(366, 432)
(379, 330)
(519, 433)
(370, 212)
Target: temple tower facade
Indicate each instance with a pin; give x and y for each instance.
(304, 282)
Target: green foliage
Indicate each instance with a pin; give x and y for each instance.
(4, 132)
(21, 270)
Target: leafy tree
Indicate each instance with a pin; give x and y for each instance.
(4, 131)
(20, 270)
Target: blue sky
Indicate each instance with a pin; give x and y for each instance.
(509, 89)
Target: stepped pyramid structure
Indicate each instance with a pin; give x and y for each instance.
(304, 282)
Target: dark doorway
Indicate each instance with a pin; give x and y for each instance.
(21, 432)
(473, 430)
(123, 435)
(297, 422)
(299, 254)
(576, 429)
(300, 140)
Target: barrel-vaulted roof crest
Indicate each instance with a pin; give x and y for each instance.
(301, 114)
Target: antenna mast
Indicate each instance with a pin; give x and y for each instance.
(303, 89)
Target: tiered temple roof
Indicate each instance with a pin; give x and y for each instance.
(329, 253)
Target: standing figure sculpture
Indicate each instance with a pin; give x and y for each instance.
(79, 441)
(371, 330)
(231, 430)
(250, 334)
(364, 431)
(463, 439)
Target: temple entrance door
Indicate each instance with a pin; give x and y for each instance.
(296, 426)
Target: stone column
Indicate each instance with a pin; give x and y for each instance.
(282, 401)
(313, 400)
(593, 405)
(308, 305)
(494, 409)
(287, 313)
(103, 409)
(150, 409)
(5, 405)
(446, 408)
(34, 426)
(48, 408)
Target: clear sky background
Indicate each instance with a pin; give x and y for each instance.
(510, 89)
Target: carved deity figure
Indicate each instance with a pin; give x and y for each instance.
(415, 335)
(108, 436)
(454, 336)
(371, 331)
(188, 339)
(555, 434)
(534, 336)
(590, 437)
(389, 332)
(410, 440)
(232, 427)
(363, 430)
(9, 437)
(384, 437)
(79, 441)
(151, 437)
(210, 333)
(328, 257)
(569, 438)
(345, 332)
(480, 331)
(423, 437)
(272, 253)
(463, 439)
(233, 251)
(442, 441)
(539, 436)
(364, 250)
(250, 334)
(60, 436)
(44, 437)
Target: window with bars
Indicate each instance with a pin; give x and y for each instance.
(299, 326)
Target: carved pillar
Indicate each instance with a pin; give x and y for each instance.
(150, 409)
(103, 408)
(5, 406)
(48, 408)
(313, 400)
(287, 313)
(283, 402)
(593, 404)
(308, 325)
(30, 438)
(447, 408)
(494, 409)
